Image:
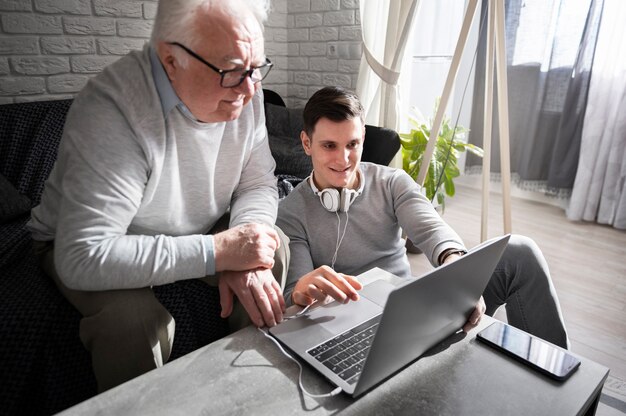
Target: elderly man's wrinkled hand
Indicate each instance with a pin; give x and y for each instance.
(245, 247)
(259, 293)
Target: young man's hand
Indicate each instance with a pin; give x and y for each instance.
(324, 282)
(480, 308)
(476, 316)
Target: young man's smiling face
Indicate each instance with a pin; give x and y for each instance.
(335, 149)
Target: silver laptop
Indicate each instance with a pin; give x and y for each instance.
(359, 344)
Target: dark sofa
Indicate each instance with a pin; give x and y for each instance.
(44, 368)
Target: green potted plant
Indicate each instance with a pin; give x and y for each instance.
(443, 167)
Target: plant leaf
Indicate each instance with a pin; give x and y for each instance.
(444, 161)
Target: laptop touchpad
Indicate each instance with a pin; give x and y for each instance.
(337, 318)
(377, 291)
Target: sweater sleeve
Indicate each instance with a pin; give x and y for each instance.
(104, 175)
(419, 220)
(256, 198)
(290, 221)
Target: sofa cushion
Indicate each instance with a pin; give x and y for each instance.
(283, 121)
(290, 157)
(283, 128)
(29, 136)
(381, 145)
(45, 367)
(12, 203)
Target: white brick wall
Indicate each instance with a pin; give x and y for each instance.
(50, 48)
(323, 46)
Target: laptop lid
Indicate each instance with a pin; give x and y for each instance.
(414, 317)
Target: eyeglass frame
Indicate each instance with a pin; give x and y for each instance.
(223, 72)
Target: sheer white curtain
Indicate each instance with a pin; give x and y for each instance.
(599, 192)
(386, 26)
(550, 48)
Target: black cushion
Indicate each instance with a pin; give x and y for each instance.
(272, 97)
(283, 121)
(290, 157)
(29, 137)
(381, 145)
(45, 367)
(12, 203)
(283, 128)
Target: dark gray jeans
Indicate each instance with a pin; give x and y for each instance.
(522, 281)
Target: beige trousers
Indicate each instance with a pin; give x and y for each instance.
(128, 332)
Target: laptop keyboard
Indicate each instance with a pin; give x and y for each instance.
(344, 355)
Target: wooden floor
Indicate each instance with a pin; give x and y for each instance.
(587, 263)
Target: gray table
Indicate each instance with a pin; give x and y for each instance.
(245, 374)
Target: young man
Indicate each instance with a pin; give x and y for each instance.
(348, 217)
(157, 149)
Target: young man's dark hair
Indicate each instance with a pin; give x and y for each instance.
(334, 103)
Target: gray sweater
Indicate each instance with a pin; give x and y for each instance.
(134, 190)
(390, 202)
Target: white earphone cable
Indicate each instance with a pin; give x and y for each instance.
(332, 393)
(339, 240)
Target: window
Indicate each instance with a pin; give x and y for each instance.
(431, 48)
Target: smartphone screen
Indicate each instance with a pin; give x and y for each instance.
(539, 354)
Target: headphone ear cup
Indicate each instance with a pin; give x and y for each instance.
(330, 199)
(347, 198)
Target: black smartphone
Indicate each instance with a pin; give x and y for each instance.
(549, 359)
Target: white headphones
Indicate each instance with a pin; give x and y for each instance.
(333, 200)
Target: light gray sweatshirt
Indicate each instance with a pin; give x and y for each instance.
(390, 202)
(134, 190)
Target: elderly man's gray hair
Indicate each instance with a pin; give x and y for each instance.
(174, 19)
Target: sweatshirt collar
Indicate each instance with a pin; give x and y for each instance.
(167, 95)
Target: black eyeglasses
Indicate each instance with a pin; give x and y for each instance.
(231, 78)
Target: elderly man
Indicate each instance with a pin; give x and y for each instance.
(156, 149)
